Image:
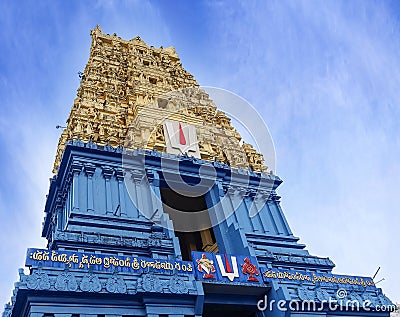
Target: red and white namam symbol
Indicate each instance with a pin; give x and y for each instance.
(228, 270)
(181, 138)
(251, 269)
(206, 265)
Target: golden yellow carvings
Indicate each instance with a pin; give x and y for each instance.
(128, 89)
(254, 158)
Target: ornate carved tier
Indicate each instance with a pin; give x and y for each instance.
(126, 77)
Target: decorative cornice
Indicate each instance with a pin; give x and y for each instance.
(155, 239)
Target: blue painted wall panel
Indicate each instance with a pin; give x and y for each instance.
(239, 230)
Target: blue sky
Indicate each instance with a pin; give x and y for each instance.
(325, 76)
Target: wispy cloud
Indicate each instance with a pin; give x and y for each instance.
(325, 76)
(44, 46)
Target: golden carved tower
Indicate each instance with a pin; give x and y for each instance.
(126, 77)
(169, 234)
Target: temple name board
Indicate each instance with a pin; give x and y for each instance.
(104, 262)
(316, 278)
(212, 267)
(207, 267)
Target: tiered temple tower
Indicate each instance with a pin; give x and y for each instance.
(157, 208)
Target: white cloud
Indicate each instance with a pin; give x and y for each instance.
(325, 77)
(39, 64)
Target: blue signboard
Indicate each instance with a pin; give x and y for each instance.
(104, 262)
(297, 276)
(207, 267)
(226, 268)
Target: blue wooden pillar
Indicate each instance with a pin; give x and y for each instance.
(76, 170)
(119, 173)
(90, 169)
(107, 173)
(137, 197)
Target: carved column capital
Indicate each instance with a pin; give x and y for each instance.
(90, 169)
(228, 189)
(76, 167)
(107, 172)
(274, 197)
(136, 175)
(120, 174)
(153, 177)
(264, 194)
(239, 191)
(251, 192)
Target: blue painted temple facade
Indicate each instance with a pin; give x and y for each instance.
(115, 249)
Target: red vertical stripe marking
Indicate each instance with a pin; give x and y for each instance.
(227, 265)
(182, 139)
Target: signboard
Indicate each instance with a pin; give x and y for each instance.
(316, 278)
(226, 268)
(207, 267)
(105, 262)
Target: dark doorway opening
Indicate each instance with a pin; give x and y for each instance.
(217, 310)
(203, 240)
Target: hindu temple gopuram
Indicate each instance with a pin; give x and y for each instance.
(158, 208)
